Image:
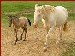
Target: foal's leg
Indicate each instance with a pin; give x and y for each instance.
(51, 30)
(22, 34)
(15, 30)
(25, 29)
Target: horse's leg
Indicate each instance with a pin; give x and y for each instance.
(25, 29)
(22, 34)
(47, 29)
(15, 30)
(60, 35)
(51, 30)
(45, 25)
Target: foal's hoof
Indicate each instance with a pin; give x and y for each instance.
(16, 40)
(14, 43)
(20, 38)
(45, 49)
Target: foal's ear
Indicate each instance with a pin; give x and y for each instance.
(9, 16)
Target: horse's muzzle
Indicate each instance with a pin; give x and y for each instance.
(35, 25)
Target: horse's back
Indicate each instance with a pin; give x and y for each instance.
(61, 11)
(61, 15)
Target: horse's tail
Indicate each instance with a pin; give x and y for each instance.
(65, 26)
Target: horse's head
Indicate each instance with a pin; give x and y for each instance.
(43, 11)
(37, 15)
(29, 22)
(10, 20)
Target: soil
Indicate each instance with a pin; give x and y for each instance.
(34, 44)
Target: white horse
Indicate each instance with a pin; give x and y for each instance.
(52, 17)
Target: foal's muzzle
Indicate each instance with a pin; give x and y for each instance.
(9, 26)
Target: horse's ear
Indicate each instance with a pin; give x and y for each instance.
(43, 6)
(52, 7)
(36, 6)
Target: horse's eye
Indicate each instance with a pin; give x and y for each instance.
(39, 15)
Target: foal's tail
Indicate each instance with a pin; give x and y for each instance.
(29, 22)
(65, 26)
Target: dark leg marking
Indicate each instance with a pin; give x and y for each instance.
(22, 34)
(25, 29)
(16, 36)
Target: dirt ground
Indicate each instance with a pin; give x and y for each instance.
(34, 44)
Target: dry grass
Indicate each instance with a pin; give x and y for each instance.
(33, 46)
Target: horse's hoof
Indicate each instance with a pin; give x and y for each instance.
(45, 49)
(24, 40)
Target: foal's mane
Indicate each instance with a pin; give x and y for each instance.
(12, 17)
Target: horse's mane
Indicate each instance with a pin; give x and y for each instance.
(48, 9)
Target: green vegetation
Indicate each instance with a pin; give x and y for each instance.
(22, 7)
(70, 50)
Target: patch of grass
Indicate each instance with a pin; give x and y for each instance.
(71, 16)
(4, 21)
(22, 6)
(8, 7)
(16, 6)
(70, 50)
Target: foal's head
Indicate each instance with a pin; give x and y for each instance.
(11, 19)
(29, 22)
